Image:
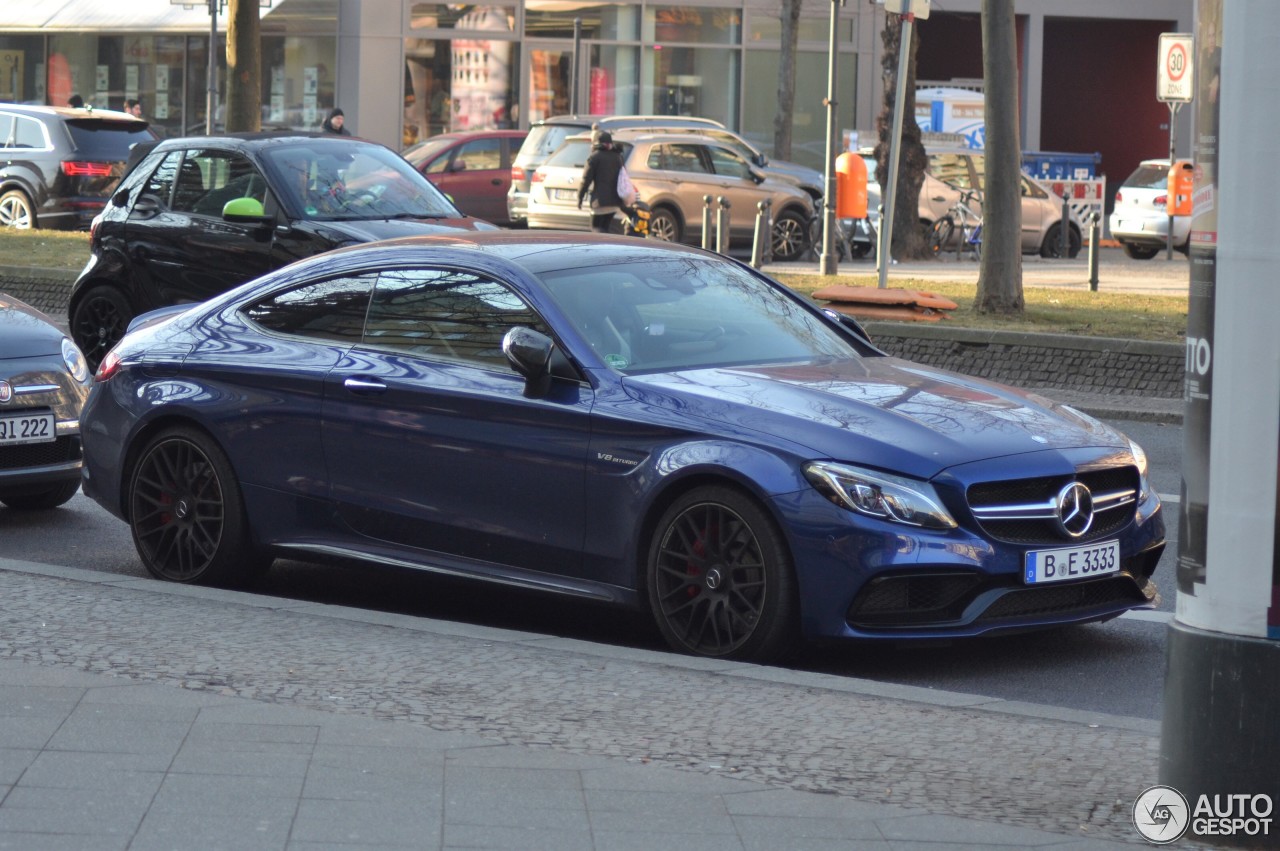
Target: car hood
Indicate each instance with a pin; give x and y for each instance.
(886, 412)
(795, 171)
(26, 332)
(373, 230)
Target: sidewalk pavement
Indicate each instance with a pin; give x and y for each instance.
(140, 715)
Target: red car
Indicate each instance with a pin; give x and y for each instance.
(473, 169)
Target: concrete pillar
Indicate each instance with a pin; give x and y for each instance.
(370, 88)
(1032, 84)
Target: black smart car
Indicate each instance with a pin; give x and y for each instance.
(58, 165)
(197, 216)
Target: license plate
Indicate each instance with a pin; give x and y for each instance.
(1072, 563)
(27, 428)
(564, 194)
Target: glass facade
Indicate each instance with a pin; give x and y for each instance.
(466, 67)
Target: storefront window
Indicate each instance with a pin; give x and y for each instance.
(299, 80)
(693, 24)
(612, 21)
(809, 116)
(434, 16)
(463, 84)
(763, 28)
(613, 87)
(22, 69)
(698, 81)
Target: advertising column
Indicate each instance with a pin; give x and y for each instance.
(1220, 737)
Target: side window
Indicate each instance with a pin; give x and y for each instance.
(480, 154)
(328, 310)
(160, 184)
(28, 133)
(446, 314)
(728, 163)
(686, 158)
(207, 180)
(438, 165)
(6, 130)
(657, 157)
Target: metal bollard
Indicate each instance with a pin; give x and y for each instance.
(1064, 228)
(1094, 236)
(706, 222)
(722, 225)
(759, 240)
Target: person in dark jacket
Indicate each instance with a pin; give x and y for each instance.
(333, 124)
(600, 179)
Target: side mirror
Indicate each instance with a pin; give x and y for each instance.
(529, 353)
(762, 160)
(458, 165)
(758, 176)
(244, 211)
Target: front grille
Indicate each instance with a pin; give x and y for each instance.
(1001, 508)
(1078, 597)
(60, 451)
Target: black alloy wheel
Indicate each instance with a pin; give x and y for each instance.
(99, 321)
(1052, 245)
(186, 513)
(719, 578)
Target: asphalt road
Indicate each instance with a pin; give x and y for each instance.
(1116, 667)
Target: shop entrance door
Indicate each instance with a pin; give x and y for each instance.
(549, 66)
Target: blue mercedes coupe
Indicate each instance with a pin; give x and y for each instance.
(618, 420)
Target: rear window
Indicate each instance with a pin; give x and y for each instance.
(1149, 177)
(571, 155)
(543, 140)
(107, 140)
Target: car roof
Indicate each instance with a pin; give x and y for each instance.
(257, 140)
(70, 112)
(623, 121)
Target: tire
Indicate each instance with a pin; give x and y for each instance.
(941, 235)
(790, 239)
(99, 321)
(43, 500)
(664, 225)
(16, 210)
(1140, 252)
(720, 581)
(187, 515)
(1052, 247)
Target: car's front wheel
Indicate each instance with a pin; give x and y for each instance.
(186, 512)
(790, 239)
(664, 225)
(1140, 252)
(42, 500)
(98, 322)
(720, 580)
(16, 210)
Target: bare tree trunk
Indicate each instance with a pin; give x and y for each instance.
(1000, 275)
(908, 236)
(244, 67)
(789, 14)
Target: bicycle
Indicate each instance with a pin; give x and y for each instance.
(962, 225)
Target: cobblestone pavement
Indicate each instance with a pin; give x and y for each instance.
(1065, 772)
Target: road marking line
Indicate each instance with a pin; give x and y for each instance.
(1149, 616)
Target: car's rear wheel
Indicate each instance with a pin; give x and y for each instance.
(16, 210)
(720, 580)
(186, 512)
(101, 316)
(664, 225)
(1052, 245)
(42, 500)
(790, 239)
(1140, 252)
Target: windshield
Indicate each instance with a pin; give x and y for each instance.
(689, 313)
(337, 180)
(424, 151)
(1149, 177)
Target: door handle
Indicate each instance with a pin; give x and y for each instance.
(497, 181)
(364, 386)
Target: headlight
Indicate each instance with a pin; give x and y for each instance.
(880, 495)
(1140, 458)
(76, 364)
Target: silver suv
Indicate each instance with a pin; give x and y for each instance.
(547, 135)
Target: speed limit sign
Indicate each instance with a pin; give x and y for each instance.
(1175, 78)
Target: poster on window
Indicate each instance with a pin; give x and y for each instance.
(481, 73)
(11, 75)
(162, 105)
(131, 81)
(102, 80)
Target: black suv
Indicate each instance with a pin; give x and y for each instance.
(58, 165)
(197, 216)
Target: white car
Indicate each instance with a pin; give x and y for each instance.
(1140, 220)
